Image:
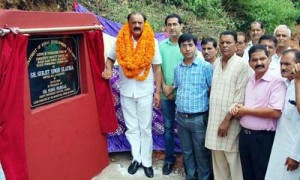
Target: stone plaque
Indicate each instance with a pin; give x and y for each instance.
(53, 68)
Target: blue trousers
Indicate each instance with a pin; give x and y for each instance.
(196, 157)
(168, 112)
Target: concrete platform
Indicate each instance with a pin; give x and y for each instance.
(119, 162)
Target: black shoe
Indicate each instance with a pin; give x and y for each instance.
(133, 167)
(148, 171)
(167, 168)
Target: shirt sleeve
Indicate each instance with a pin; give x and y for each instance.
(175, 78)
(239, 96)
(157, 57)
(209, 73)
(277, 93)
(112, 52)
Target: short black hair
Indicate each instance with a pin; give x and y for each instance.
(187, 37)
(289, 51)
(294, 51)
(209, 39)
(229, 32)
(134, 13)
(268, 37)
(173, 15)
(258, 22)
(256, 48)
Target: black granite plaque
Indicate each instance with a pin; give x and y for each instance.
(53, 68)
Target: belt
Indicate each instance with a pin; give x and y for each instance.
(253, 132)
(190, 115)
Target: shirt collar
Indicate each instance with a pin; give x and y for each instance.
(287, 81)
(196, 61)
(170, 42)
(268, 76)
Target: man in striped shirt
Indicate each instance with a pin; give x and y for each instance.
(228, 88)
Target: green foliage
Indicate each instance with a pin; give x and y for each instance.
(210, 9)
(271, 12)
(203, 17)
(117, 10)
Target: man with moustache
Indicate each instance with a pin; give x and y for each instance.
(259, 114)
(138, 55)
(283, 36)
(256, 31)
(241, 44)
(228, 86)
(192, 80)
(209, 49)
(171, 57)
(285, 155)
(270, 42)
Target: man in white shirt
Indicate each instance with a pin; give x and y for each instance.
(209, 49)
(285, 155)
(283, 36)
(270, 42)
(138, 55)
(256, 31)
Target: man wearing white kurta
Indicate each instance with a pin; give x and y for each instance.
(136, 86)
(285, 149)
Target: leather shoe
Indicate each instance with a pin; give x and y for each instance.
(148, 171)
(167, 168)
(133, 167)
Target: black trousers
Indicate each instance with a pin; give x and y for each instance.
(255, 149)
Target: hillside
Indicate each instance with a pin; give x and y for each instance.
(117, 10)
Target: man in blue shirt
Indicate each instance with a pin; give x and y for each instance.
(192, 80)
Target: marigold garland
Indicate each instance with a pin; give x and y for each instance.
(136, 60)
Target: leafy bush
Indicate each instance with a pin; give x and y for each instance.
(271, 12)
(156, 11)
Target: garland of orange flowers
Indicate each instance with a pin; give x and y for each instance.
(136, 60)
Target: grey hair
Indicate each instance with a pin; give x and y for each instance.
(282, 26)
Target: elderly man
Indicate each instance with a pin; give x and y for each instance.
(256, 31)
(209, 49)
(138, 56)
(171, 57)
(270, 42)
(259, 114)
(228, 88)
(283, 36)
(285, 155)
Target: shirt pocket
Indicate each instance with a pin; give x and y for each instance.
(289, 110)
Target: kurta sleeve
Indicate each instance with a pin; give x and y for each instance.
(239, 95)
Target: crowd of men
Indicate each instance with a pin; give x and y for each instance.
(237, 114)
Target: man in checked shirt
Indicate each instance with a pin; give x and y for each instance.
(192, 79)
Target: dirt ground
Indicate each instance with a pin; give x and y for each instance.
(119, 163)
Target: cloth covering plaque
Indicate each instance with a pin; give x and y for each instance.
(53, 68)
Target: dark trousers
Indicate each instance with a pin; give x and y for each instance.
(196, 157)
(255, 149)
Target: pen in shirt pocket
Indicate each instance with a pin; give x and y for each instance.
(292, 102)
